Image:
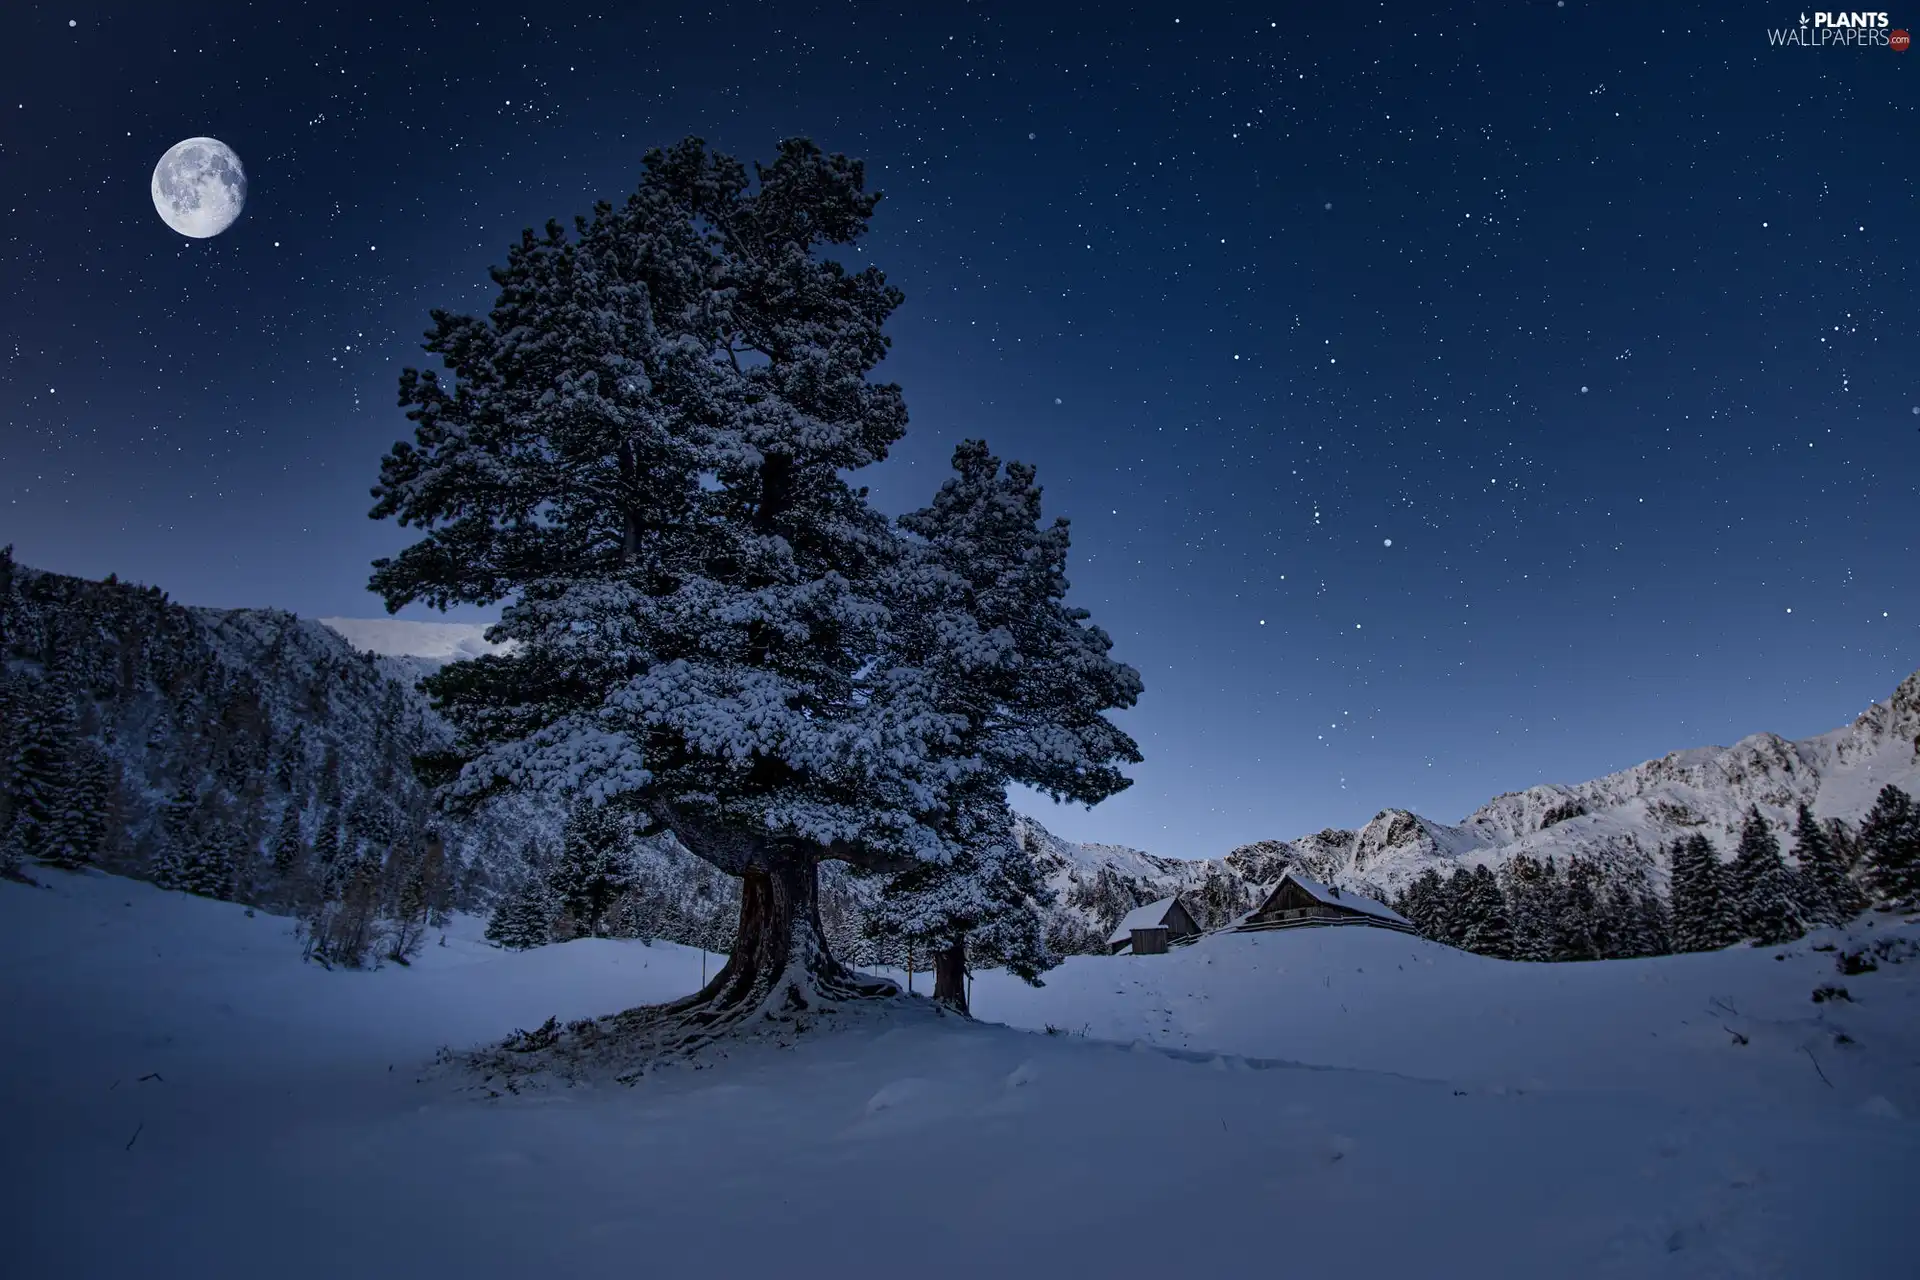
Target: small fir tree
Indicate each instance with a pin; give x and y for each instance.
(1830, 894)
(289, 850)
(78, 834)
(522, 918)
(1765, 898)
(984, 640)
(1577, 923)
(1703, 918)
(593, 869)
(38, 772)
(1890, 849)
(1528, 887)
(1489, 931)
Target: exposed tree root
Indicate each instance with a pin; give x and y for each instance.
(779, 983)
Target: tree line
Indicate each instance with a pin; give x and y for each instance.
(240, 755)
(1583, 908)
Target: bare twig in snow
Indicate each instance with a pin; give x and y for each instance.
(1816, 1066)
(136, 1133)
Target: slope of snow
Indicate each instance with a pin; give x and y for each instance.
(181, 1096)
(1375, 1000)
(398, 638)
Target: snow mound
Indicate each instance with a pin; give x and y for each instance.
(181, 1096)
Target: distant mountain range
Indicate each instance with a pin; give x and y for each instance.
(271, 723)
(1633, 814)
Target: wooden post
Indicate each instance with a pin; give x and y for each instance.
(909, 968)
(703, 968)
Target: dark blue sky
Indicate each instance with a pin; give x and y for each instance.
(1605, 314)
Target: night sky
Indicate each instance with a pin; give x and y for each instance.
(1446, 399)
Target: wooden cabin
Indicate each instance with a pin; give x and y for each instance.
(1297, 901)
(1150, 930)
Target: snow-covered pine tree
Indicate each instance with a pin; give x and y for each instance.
(78, 833)
(1421, 903)
(196, 853)
(1830, 894)
(1655, 921)
(1456, 908)
(593, 869)
(1220, 898)
(1577, 921)
(982, 637)
(1890, 849)
(1846, 842)
(646, 446)
(523, 918)
(288, 847)
(1489, 930)
(38, 771)
(1703, 914)
(1764, 889)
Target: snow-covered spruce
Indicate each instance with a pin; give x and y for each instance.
(984, 637)
(644, 448)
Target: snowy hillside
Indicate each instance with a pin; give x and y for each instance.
(334, 712)
(397, 638)
(182, 1096)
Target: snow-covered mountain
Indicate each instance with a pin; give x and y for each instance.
(1633, 814)
(1626, 816)
(334, 712)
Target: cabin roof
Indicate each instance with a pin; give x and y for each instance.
(1151, 916)
(1334, 897)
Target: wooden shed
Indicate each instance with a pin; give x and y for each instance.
(1154, 928)
(1298, 901)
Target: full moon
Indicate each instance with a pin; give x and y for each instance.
(199, 187)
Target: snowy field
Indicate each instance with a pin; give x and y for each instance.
(182, 1097)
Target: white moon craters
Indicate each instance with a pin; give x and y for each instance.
(199, 187)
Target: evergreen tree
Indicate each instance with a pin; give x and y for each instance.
(1764, 889)
(1488, 930)
(1890, 849)
(198, 850)
(78, 833)
(1446, 908)
(1703, 917)
(1830, 894)
(670, 402)
(288, 847)
(522, 918)
(1220, 898)
(38, 772)
(1429, 904)
(1577, 924)
(593, 868)
(1529, 892)
(1655, 922)
(983, 639)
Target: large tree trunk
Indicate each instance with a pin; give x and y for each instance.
(950, 976)
(780, 964)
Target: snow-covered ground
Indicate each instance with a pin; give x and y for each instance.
(180, 1096)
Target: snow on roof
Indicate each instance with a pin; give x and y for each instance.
(1333, 897)
(1151, 916)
